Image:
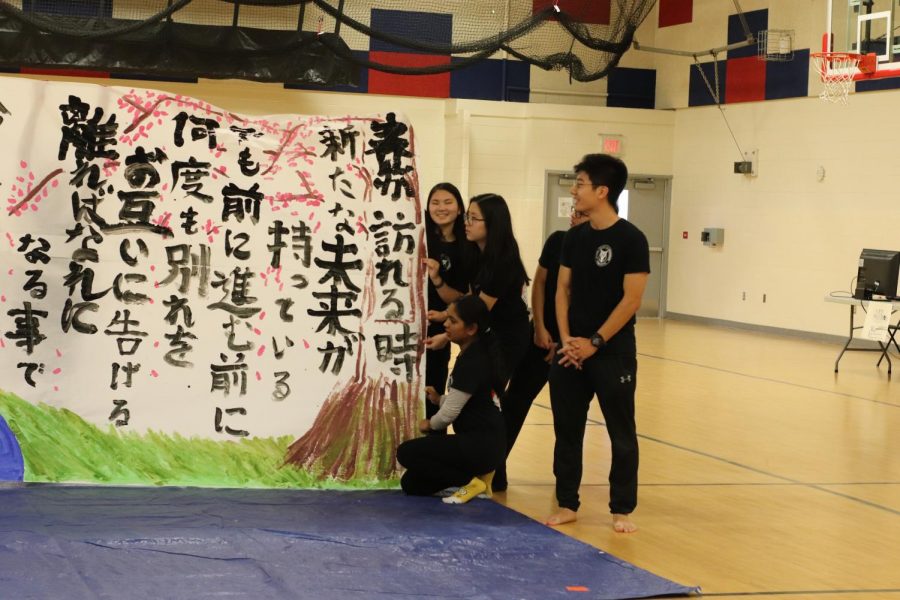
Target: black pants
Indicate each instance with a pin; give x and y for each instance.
(612, 380)
(513, 348)
(527, 381)
(436, 462)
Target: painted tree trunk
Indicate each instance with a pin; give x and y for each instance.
(361, 423)
(358, 429)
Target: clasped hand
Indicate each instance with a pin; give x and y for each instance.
(574, 351)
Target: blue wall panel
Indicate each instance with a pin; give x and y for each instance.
(698, 94)
(434, 28)
(757, 20)
(788, 79)
(631, 88)
(492, 80)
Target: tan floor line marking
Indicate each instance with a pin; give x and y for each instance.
(749, 468)
(771, 380)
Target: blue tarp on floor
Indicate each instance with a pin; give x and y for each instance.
(174, 543)
(12, 467)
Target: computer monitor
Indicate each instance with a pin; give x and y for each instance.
(877, 276)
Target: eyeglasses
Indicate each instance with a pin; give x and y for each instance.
(470, 219)
(578, 184)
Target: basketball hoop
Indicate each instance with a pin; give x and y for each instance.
(837, 71)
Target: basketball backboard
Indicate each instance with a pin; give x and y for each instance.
(865, 27)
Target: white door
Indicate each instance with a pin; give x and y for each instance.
(645, 203)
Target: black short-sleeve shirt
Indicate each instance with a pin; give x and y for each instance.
(550, 261)
(599, 260)
(450, 257)
(509, 316)
(471, 375)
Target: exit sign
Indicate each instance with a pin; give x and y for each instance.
(612, 144)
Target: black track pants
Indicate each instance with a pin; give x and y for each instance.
(612, 380)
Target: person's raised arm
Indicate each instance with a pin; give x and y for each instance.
(447, 293)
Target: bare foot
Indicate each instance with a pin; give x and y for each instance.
(565, 515)
(623, 524)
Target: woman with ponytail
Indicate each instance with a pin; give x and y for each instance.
(477, 446)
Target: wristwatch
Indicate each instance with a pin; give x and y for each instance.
(597, 341)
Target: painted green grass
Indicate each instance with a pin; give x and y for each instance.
(60, 446)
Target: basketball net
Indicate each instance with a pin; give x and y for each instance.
(836, 70)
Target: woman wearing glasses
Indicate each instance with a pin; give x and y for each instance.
(445, 235)
(498, 277)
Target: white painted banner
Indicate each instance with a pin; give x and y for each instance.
(169, 266)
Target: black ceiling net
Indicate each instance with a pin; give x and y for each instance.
(315, 41)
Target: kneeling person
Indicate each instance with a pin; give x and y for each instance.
(469, 457)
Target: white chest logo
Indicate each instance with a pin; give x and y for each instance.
(603, 256)
(445, 262)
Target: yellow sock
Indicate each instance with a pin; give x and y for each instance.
(488, 478)
(466, 492)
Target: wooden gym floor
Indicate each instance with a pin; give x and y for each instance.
(763, 473)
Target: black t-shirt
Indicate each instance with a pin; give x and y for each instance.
(471, 375)
(599, 260)
(450, 256)
(550, 260)
(509, 315)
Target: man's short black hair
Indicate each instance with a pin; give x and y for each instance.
(603, 169)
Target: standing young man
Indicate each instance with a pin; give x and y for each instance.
(602, 275)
